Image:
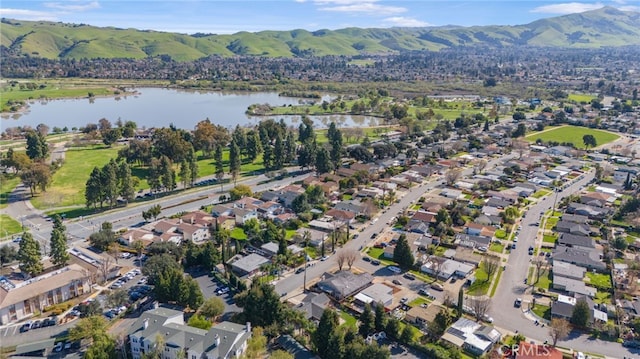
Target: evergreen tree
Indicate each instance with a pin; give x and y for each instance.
(367, 321)
(267, 157)
(219, 166)
(307, 154)
(192, 159)
(109, 179)
(406, 336)
(305, 130)
(279, 155)
(581, 314)
(486, 125)
(627, 183)
(323, 161)
(321, 337)
(234, 161)
(335, 349)
(289, 148)
(167, 174)
(335, 141)
(381, 317)
(93, 188)
(254, 147)
(460, 302)
(184, 173)
(240, 138)
(402, 253)
(126, 185)
(37, 148)
(29, 255)
(58, 243)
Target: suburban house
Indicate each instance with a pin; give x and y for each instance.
(224, 340)
(586, 210)
(445, 269)
(573, 228)
(354, 207)
(342, 216)
(573, 286)
(313, 305)
(315, 237)
(248, 265)
(472, 241)
(377, 293)
(575, 218)
(583, 257)
(193, 232)
(472, 336)
(563, 308)
(137, 234)
(576, 240)
(422, 317)
(22, 299)
(344, 284)
(568, 270)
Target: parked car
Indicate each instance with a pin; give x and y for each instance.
(517, 303)
(394, 269)
(437, 286)
(409, 276)
(299, 270)
(375, 262)
(395, 281)
(25, 327)
(366, 259)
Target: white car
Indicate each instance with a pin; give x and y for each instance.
(324, 258)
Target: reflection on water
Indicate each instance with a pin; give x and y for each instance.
(157, 107)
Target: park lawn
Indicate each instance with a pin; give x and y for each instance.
(9, 226)
(550, 238)
(501, 234)
(69, 182)
(7, 184)
(599, 280)
(238, 234)
(580, 98)
(542, 311)
(541, 193)
(573, 134)
(496, 247)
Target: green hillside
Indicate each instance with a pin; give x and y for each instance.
(603, 27)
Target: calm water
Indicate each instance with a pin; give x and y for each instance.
(155, 107)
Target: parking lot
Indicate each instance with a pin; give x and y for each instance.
(210, 287)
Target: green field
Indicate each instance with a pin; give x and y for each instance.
(7, 184)
(572, 134)
(9, 226)
(49, 92)
(580, 98)
(68, 183)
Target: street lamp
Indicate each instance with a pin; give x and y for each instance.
(304, 283)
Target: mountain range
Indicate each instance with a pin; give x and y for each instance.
(605, 27)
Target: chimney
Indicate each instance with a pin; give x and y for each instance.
(248, 327)
(145, 323)
(216, 340)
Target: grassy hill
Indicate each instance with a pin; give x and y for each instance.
(603, 27)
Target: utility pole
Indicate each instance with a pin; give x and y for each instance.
(304, 283)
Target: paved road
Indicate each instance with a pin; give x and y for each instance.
(294, 283)
(80, 229)
(512, 285)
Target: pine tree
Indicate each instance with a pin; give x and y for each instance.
(381, 318)
(93, 188)
(254, 147)
(126, 186)
(327, 325)
(167, 174)
(58, 243)
(109, 179)
(278, 153)
(581, 314)
(290, 148)
(402, 253)
(240, 138)
(323, 161)
(460, 302)
(367, 321)
(192, 159)
(486, 125)
(29, 255)
(234, 161)
(267, 157)
(335, 141)
(184, 173)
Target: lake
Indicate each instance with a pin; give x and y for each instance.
(158, 107)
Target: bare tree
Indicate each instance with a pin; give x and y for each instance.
(105, 266)
(520, 146)
(452, 175)
(351, 256)
(436, 266)
(481, 165)
(479, 305)
(558, 330)
(341, 258)
(541, 268)
(490, 264)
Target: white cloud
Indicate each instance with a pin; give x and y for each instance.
(28, 15)
(629, 8)
(73, 6)
(370, 7)
(402, 21)
(300, 1)
(567, 8)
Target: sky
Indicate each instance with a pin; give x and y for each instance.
(225, 17)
